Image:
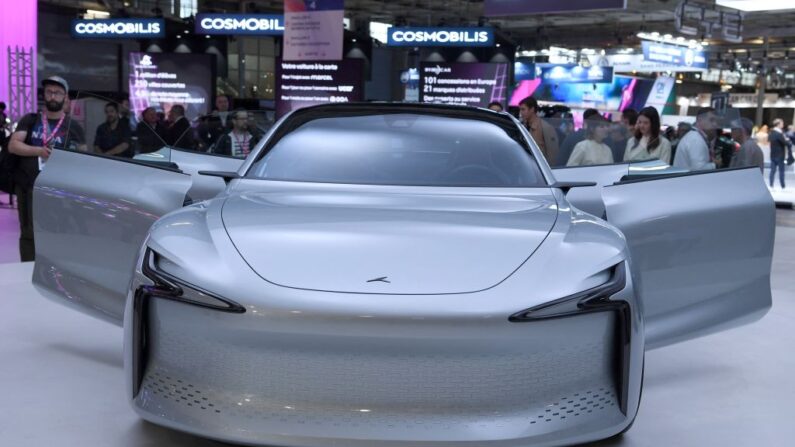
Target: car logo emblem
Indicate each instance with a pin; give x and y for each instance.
(381, 279)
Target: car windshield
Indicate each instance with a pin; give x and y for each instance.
(409, 149)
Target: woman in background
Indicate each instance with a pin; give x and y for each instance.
(592, 150)
(647, 143)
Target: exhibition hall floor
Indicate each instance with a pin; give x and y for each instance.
(62, 383)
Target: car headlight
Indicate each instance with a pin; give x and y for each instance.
(596, 299)
(168, 287)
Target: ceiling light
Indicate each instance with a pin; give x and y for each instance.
(95, 14)
(756, 5)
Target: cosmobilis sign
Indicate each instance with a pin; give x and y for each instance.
(118, 28)
(440, 37)
(240, 24)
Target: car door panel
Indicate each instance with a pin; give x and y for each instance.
(191, 162)
(91, 214)
(589, 199)
(701, 245)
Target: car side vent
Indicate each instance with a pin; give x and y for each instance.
(163, 386)
(575, 405)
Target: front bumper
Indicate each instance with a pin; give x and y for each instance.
(250, 378)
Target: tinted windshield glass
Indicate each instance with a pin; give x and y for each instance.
(400, 149)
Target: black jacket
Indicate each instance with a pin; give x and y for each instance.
(778, 145)
(180, 134)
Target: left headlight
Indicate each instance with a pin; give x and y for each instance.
(168, 287)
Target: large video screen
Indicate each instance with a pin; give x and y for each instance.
(624, 92)
(303, 84)
(472, 84)
(164, 79)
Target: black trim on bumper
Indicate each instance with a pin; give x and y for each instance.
(597, 299)
(167, 287)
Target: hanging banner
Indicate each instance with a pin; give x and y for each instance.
(313, 30)
(576, 74)
(627, 63)
(522, 7)
(660, 93)
(118, 28)
(240, 24)
(440, 37)
(674, 55)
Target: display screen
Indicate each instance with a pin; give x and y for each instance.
(303, 84)
(162, 80)
(472, 84)
(620, 94)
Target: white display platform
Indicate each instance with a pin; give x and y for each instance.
(784, 196)
(62, 384)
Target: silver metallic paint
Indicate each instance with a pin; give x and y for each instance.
(288, 337)
(203, 187)
(704, 264)
(309, 338)
(91, 215)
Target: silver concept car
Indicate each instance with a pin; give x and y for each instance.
(397, 275)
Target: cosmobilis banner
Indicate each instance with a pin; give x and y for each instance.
(440, 37)
(240, 24)
(118, 28)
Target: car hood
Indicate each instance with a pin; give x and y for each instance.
(392, 243)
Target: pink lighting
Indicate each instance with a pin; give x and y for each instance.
(18, 27)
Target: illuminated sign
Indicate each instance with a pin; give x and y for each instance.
(472, 84)
(240, 24)
(674, 55)
(492, 8)
(575, 74)
(440, 37)
(118, 28)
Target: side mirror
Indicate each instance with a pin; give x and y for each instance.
(226, 175)
(566, 186)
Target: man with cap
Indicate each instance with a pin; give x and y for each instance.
(31, 144)
(750, 154)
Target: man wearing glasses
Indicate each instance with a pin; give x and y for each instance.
(240, 140)
(36, 135)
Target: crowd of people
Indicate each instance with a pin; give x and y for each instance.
(639, 136)
(222, 132)
(122, 134)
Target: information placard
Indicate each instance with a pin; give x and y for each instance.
(165, 79)
(303, 84)
(313, 30)
(472, 84)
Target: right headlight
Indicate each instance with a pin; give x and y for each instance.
(596, 299)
